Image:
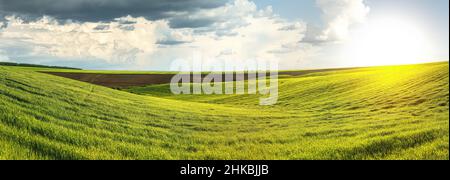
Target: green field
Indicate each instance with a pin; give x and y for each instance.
(397, 112)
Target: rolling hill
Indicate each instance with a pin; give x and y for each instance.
(396, 112)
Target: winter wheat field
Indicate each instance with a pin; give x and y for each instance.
(391, 112)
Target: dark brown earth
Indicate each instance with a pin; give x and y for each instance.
(117, 80)
(134, 80)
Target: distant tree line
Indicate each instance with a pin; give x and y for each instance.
(35, 65)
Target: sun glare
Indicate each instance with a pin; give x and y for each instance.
(388, 41)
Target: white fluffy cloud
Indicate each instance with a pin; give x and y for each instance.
(247, 33)
(112, 42)
(238, 31)
(338, 16)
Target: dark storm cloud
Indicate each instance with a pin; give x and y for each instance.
(182, 22)
(2, 22)
(107, 10)
(2, 16)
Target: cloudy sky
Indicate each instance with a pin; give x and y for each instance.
(150, 34)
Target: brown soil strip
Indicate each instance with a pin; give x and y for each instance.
(133, 80)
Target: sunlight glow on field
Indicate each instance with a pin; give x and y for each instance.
(387, 41)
